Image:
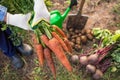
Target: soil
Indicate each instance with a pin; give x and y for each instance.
(99, 14)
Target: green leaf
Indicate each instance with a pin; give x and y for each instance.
(113, 69)
(115, 37)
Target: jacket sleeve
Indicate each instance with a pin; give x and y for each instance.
(3, 12)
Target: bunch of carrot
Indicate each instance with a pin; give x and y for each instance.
(50, 39)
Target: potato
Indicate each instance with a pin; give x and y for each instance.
(73, 36)
(68, 35)
(71, 33)
(88, 31)
(83, 39)
(76, 31)
(79, 34)
(73, 40)
(72, 44)
(83, 31)
(76, 36)
(77, 47)
(89, 36)
(78, 40)
(71, 29)
(92, 33)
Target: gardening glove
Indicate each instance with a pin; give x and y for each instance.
(40, 12)
(19, 20)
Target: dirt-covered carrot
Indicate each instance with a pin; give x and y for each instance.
(54, 34)
(40, 54)
(45, 39)
(59, 31)
(34, 39)
(49, 59)
(55, 46)
(66, 41)
(39, 50)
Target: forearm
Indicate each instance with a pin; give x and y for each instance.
(5, 19)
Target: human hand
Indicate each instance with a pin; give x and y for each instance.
(40, 12)
(19, 20)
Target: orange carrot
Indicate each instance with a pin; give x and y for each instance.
(39, 50)
(54, 34)
(59, 31)
(45, 39)
(40, 54)
(55, 46)
(34, 39)
(66, 41)
(50, 62)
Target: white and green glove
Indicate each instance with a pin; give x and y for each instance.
(19, 20)
(40, 12)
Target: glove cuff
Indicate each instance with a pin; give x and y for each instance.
(3, 12)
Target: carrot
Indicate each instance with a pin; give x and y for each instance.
(45, 39)
(34, 39)
(66, 41)
(55, 46)
(40, 55)
(50, 62)
(59, 31)
(54, 34)
(39, 50)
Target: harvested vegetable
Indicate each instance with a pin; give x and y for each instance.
(89, 36)
(83, 31)
(88, 31)
(78, 40)
(66, 41)
(39, 51)
(83, 60)
(74, 58)
(45, 39)
(93, 58)
(83, 38)
(60, 41)
(98, 74)
(59, 31)
(50, 62)
(90, 68)
(53, 40)
(55, 46)
(74, 35)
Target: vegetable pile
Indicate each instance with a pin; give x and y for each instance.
(78, 37)
(50, 39)
(98, 59)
